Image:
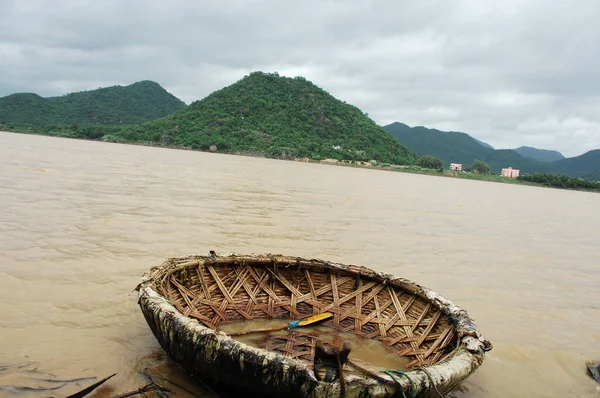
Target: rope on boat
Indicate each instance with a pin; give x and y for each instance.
(392, 372)
(431, 380)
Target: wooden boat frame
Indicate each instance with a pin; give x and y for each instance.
(185, 299)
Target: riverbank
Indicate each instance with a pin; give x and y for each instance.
(413, 169)
(424, 171)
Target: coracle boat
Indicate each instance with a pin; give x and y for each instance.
(189, 303)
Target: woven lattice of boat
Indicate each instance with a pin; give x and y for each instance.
(190, 302)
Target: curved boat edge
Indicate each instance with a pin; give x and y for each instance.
(219, 358)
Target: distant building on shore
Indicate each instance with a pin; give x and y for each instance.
(456, 166)
(510, 172)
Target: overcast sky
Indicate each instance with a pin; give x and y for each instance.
(511, 72)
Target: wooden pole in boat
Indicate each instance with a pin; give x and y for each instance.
(290, 325)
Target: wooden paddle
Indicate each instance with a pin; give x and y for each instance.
(290, 325)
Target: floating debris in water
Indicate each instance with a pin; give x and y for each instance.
(593, 370)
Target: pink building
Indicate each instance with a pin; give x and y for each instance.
(510, 172)
(456, 166)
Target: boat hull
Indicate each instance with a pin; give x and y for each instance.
(216, 358)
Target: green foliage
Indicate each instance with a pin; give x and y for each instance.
(417, 170)
(480, 167)
(561, 181)
(136, 103)
(275, 116)
(430, 162)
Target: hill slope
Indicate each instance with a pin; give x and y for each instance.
(455, 147)
(485, 144)
(586, 165)
(276, 116)
(136, 103)
(541, 155)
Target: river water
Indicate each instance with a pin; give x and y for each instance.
(81, 221)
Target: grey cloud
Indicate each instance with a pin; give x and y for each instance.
(518, 72)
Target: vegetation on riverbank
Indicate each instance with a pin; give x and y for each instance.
(583, 185)
(412, 169)
(88, 131)
(561, 181)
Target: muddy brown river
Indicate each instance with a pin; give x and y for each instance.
(80, 222)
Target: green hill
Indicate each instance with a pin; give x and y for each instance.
(282, 117)
(456, 147)
(542, 155)
(136, 103)
(585, 166)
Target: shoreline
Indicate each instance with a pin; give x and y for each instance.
(410, 169)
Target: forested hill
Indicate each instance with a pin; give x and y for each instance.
(267, 114)
(586, 165)
(135, 103)
(543, 155)
(456, 147)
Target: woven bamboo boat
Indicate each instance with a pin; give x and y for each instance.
(186, 301)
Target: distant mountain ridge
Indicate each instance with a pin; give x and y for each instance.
(459, 147)
(542, 155)
(138, 102)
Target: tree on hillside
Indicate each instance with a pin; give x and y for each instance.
(481, 167)
(430, 162)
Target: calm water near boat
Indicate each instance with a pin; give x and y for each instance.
(82, 221)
